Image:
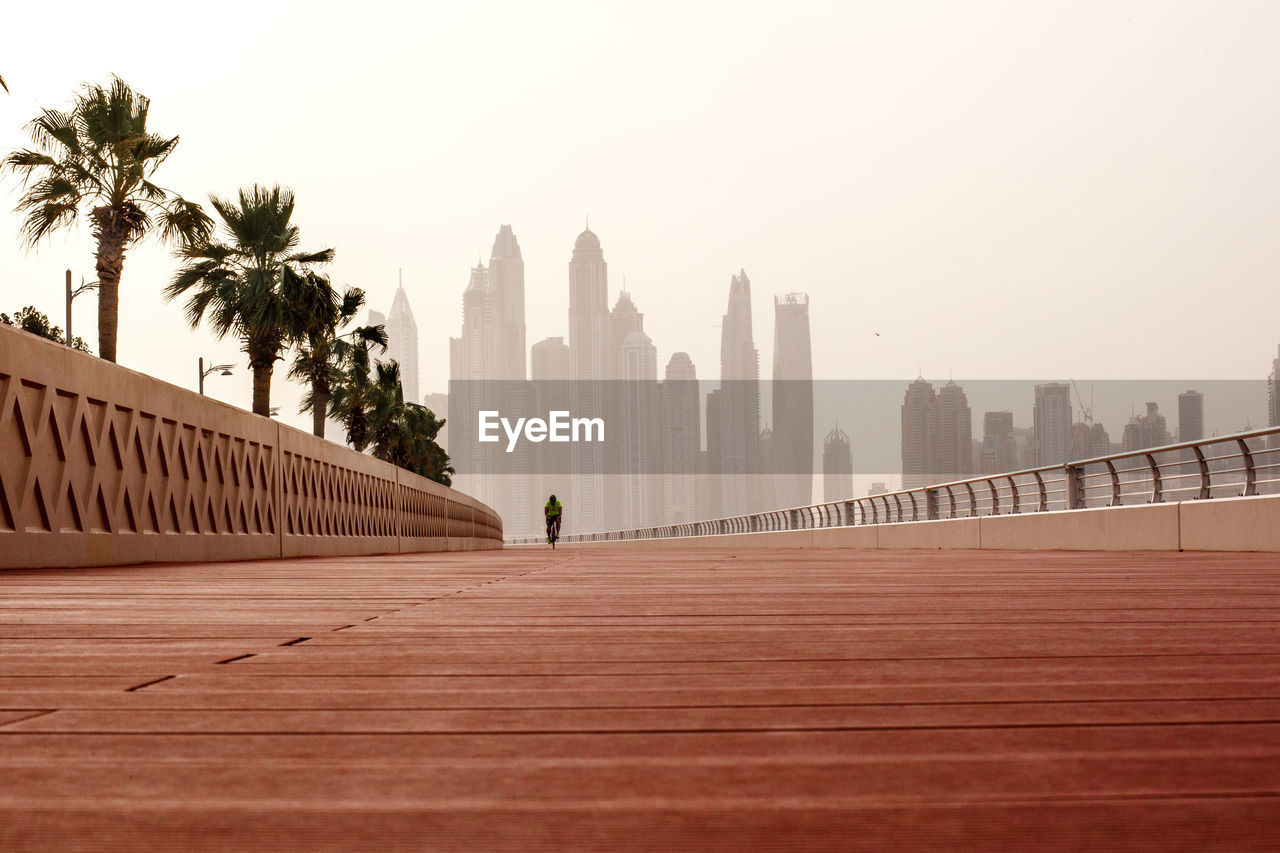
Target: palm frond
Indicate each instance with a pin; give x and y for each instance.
(185, 223)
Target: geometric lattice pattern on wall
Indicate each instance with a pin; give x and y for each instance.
(323, 499)
(73, 463)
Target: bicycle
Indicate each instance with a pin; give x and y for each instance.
(553, 533)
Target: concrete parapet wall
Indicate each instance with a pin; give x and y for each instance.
(100, 465)
(948, 533)
(1231, 524)
(1224, 524)
(1151, 527)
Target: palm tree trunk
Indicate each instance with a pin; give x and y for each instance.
(319, 407)
(112, 233)
(262, 389)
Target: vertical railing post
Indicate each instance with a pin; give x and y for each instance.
(1250, 475)
(1074, 491)
(1204, 474)
(930, 504)
(848, 513)
(1157, 487)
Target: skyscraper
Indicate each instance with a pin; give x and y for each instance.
(506, 276)
(837, 466)
(1273, 392)
(588, 362)
(1051, 423)
(739, 402)
(402, 342)
(475, 355)
(953, 437)
(1190, 416)
(1148, 430)
(638, 479)
(588, 310)
(549, 359)
(681, 441)
(792, 401)
(919, 415)
(999, 452)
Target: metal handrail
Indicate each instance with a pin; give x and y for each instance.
(1067, 486)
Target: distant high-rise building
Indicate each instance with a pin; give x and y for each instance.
(999, 452)
(919, 414)
(506, 277)
(681, 441)
(712, 495)
(624, 321)
(439, 405)
(640, 443)
(837, 466)
(1051, 423)
(402, 342)
(589, 341)
(1099, 442)
(588, 310)
(1146, 431)
(792, 401)
(739, 463)
(474, 356)
(1273, 392)
(953, 437)
(1190, 416)
(549, 360)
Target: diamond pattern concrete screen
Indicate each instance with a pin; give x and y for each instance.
(101, 465)
(681, 699)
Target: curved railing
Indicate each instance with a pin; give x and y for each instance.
(1242, 464)
(100, 465)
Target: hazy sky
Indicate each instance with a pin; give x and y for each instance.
(1001, 189)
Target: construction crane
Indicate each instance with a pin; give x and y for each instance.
(1087, 411)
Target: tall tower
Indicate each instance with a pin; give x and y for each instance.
(1273, 392)
(1190, 416)
(953, 441)
(837, 466)
(549, 359)
(588, 309)
(919, 414)
(1051, 422)
(792, 401)
(506, 276)
(402, 342)
(739, 402)
(588, 362)
(681, 432)
(637, 406)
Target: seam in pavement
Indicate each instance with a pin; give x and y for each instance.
(33, 715)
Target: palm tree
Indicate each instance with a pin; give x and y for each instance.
(404, 433)
(353, 392)
(99, 159)
(322, 348)
(257, 285)
(371, 405)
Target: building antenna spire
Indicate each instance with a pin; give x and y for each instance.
(587, 216)
(402, 276)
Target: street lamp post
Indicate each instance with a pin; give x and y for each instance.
(225, 368)
(72, 294)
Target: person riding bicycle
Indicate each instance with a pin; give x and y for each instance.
(553, 511)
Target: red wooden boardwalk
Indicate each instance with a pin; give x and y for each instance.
(646, 699)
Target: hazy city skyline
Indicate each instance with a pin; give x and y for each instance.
(934, 173)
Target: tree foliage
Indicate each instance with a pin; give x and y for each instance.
(255, 283)
(368, 399)
(99, 160)
(37, 323)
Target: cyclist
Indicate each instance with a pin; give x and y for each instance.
(553, 511)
